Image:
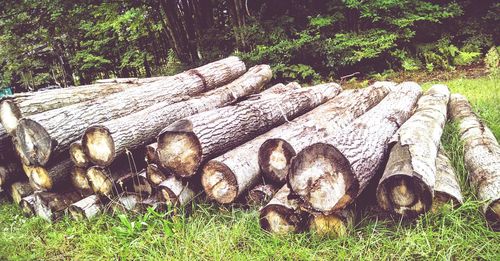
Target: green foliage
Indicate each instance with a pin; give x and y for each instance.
(492, 59)
(295, 72)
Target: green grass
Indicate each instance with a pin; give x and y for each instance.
(225, 233)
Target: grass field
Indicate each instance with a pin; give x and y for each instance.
(230, 233)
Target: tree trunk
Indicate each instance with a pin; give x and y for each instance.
(43, 134)
(261, 194)
(283, 143)
(52, 206)
(333, 225)
(77, 155)
(329, 175)
(481, 157)
(282, 214)
(407, 185)
(19, 190)
(80, 181)
(86, 208)
(207, 134)
(177, 192)
(13, 108)
(104, 141)
(447, 188)
(136, 183)
(241, 164)
(52, 177)
(155, 175)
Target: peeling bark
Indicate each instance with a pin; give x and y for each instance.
(447, 188)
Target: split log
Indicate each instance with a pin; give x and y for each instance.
(19, 190)
(54, 176)
(14, 107)
(52, 206)
(447, 187)
(77, 155)
(186, 144)
(407, 185)
(481, 157)
(177, 192)
(260, 195)
(333, 225)
(282, 214)
(329, 175)
(136, 183)
(155, 175)
(51, 132)
(86, 208)
(241, 164)
(104, 141)
(283, 143)
(80, 181)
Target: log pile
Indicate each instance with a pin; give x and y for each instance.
(302, 155)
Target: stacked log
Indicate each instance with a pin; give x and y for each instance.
(185, 144)
(86, 208)
(104, 141)
(481, 157)
(407, 185)
(261, 194)
(44, 134)
(447, 188)
(329, 175)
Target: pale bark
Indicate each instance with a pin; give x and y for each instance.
(207, 134)
(104, 141)
(282, 214)
(407, 184)
(481, 157)
(241, 164)
(447, 188)
(52, 206)
(86, 208)
(177, 192)
(329, 175)
(283, 143)
(51, 132)
(12, 108)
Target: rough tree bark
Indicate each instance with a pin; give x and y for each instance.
(86, 208)
(447, 188)
(481, 156)
(19, 190)
(261, 194)
(52, 206)
(241, 165)
(282, 214)
(329, 175)
(407, 185)
(185, 144)
(44, 134)
(13, 108)
(283, 143)
(77, 155)
(104, 141)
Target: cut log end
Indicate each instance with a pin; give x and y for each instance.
(261, 194)
(275, 156)
(493, 215)
(77, 155)
(404, 195)
(40, 178)
(279, 220)
(155, 175)
(151, 153)
(219, 182)
(34, 141)
(79, 179)
(98, 145)
(10, 114)
(328, 225)
(180, 153)
(85, 208)
(321, 176)
(99, 181)
(19, 190)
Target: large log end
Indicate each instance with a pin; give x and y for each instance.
(100, 181)
(35, 142)
(321, 176)
(98, 145)
(275, 156)
(40, 178)
(219, 182)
